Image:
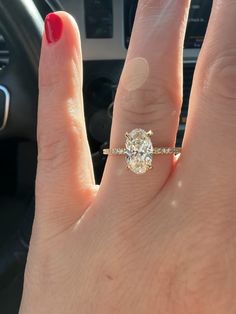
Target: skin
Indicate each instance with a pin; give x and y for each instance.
(136, 74)
(163, 242)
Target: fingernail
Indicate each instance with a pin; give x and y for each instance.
(53, 27)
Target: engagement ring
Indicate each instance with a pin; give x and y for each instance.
(139, 151)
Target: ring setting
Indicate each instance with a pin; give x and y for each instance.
(139, 151)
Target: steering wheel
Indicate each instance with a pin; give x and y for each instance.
(21, 25)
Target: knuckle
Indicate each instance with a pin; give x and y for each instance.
(60, 78)
(153, 8)
(52, 152)
(60, 139)
(221, 77)
(55, 148)
(148, 106)
(50, 81)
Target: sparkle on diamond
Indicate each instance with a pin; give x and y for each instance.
(139, 151)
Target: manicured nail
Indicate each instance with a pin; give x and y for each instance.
(53, 27)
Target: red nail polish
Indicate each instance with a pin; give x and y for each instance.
(53, 27)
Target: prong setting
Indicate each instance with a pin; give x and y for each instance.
(149, 133)
(127, 135)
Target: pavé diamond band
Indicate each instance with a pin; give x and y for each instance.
(156, 151)
(139, 151)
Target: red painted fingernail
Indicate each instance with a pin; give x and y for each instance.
(53, 27)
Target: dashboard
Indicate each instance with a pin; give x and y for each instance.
(197, 24)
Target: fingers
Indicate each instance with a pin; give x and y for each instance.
(65, 175)
(150, 90)
(210, 136)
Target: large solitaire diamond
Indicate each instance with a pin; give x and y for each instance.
(139, 151)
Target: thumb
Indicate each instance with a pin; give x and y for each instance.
(65, 180)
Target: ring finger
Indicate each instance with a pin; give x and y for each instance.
(149, 95)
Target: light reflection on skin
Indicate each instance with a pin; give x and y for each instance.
(174, 203)
(120, 171)
(136, 74)
(174, 113)
(180, 184)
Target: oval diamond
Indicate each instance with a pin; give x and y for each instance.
(139, 151)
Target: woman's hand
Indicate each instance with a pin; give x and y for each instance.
(163, 242)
